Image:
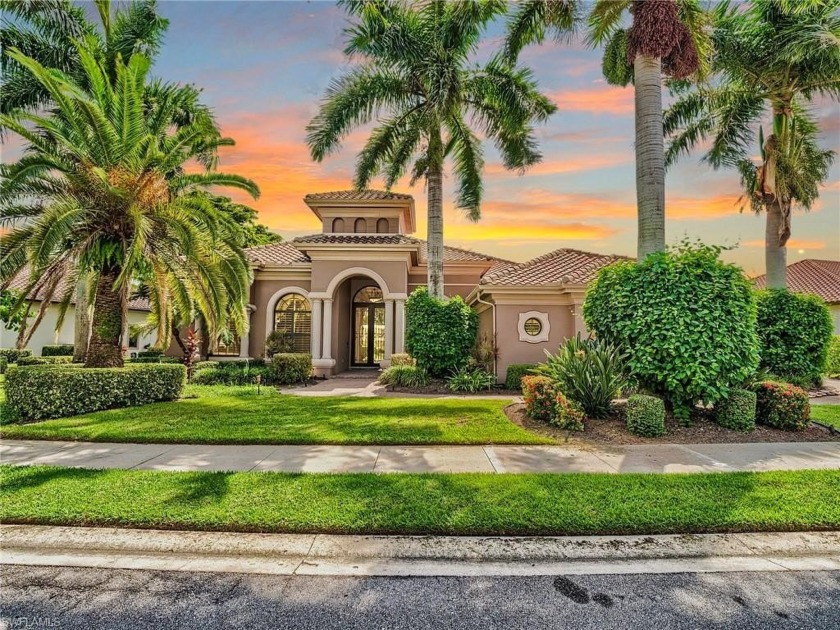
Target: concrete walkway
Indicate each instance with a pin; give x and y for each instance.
(321, 554)
(664, 458)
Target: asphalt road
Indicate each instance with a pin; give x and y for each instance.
(90, 599)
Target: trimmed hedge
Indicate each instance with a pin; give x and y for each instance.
(35, 393)
(45, 360)
(60, 350)
(4, 363)
(566, 415)
(403, 375)
(150, 352)
(685, 319)
(157, 358)
(832, 364)
(783, 406)
(290, 367)
(439, 334)
(515, 373)
(234, 374)
(540, 394)
(738, 411)
(13, 354)
(794, 333)
(645, 415)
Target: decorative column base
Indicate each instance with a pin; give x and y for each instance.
(323, 367)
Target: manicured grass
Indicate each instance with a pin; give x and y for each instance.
(423, 504)
(827, 414)
(237, 415)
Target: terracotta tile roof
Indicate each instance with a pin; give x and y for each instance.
(356, 195)
(562, 266)
(21, 280)
(820, 277)
(282, 253)
(357, 239)
(456, 254)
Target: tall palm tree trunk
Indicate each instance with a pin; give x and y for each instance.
(650, 155)
(775, 255)
(434, 181)
(104, 349)
(82, 322)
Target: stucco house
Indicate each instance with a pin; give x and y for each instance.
(340, 294)
(818, 277)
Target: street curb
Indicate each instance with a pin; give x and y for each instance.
(322, 554)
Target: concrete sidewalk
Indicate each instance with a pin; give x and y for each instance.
(664, 458)
(321, 554)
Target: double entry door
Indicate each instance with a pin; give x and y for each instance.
(368, 334)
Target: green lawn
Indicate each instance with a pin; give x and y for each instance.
(827, 414)
(423, 504)
(237, 415)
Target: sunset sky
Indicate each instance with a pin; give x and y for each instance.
(264, 67)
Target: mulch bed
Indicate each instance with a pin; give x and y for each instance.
(438, 386)
(703, 430)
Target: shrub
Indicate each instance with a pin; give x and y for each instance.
(540, 394)
(566, 414)
(470, 380)
(4, 363)
(794, 333)
(404, 376)
(45, 360)
(291, 367)
(402, 358)
(832, 364)
(515, 372)
(645, 415)
(36, 392)
(440, 334)
(13, 354)
(783, 406)
(737, 412)
(278, 342)
(59, 350)
(484, 353)
(685, 319)
(232, 373)
(150, 352)
(590, 372)
(156, 358)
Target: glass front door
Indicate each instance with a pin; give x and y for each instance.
(368, 328)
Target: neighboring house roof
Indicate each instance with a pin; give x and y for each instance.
(21, 280)
(282, 253)
(819, 277)
(562, 266)
(356, 195)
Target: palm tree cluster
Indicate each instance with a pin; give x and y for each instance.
(101, 197)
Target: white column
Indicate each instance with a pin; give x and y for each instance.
(315, 328)
(326, 347)
(399, 327)
(389, 330)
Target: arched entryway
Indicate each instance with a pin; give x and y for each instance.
(368, 332)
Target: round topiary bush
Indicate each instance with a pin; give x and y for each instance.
(737, 412)
(540, 394)
(783, 406)
(566, 415)
(684, 318)
(645, 415)
(794, 333)
(439, 334)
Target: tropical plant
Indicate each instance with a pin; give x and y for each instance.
(470, 379)
(590, 372)
(776, 56)
(404, 375)
(12, 318)
(103, 192)
(251, 233)
(685, 319)
(667, 37)
(417, 81)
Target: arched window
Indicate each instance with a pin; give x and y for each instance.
(382, 226)
(368, 295)
(338, 225)
(360, 227)
(293, 316)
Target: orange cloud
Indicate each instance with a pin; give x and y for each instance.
(575, 164)
(794, 243)
(604, 99)
(516, 232)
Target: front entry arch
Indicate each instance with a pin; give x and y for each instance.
(368, 333)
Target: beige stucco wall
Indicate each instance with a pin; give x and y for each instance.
(262, 292)
(393, 272)
(835, 316)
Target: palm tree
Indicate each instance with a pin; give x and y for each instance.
(666, 37)
(101, 191)
(416, 80)
(775, 57)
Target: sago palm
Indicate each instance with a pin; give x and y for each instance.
(772, 58)
(101, 190)
(417, 81)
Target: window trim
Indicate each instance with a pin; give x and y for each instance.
(542, 337)
(294, 335)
